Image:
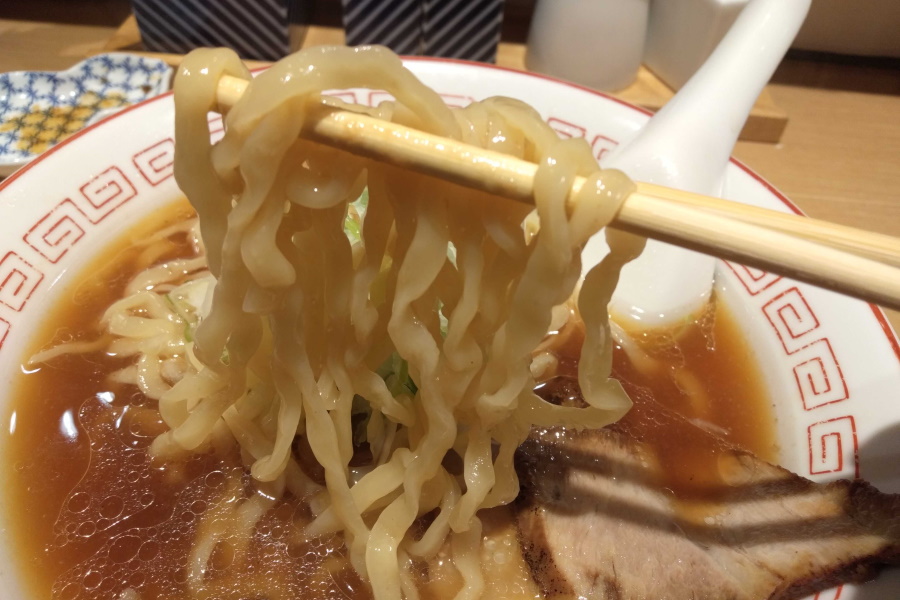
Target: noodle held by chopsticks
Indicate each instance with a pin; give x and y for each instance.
(449, 282)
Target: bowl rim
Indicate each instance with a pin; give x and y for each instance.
(885, 326)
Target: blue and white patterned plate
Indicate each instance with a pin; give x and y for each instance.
(40, 108)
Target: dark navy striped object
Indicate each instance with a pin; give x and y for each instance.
(466, 29)
(396, 24)
(257, 29)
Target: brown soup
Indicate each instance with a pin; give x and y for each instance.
(92, 515)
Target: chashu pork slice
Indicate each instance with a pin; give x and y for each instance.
(597, 520)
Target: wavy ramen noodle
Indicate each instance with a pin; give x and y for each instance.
(405, 324)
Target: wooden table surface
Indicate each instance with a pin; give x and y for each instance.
(838, 159)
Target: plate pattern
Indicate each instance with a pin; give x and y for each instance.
(40, 108)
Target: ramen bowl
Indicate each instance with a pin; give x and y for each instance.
(830, 364)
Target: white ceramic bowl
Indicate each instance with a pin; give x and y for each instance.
(832, 364)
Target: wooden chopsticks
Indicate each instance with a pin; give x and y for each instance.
(854, 262)
(876, 246)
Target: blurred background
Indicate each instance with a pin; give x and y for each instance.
(671, 38)
(864, 27)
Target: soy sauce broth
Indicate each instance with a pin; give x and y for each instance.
(704, 370)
